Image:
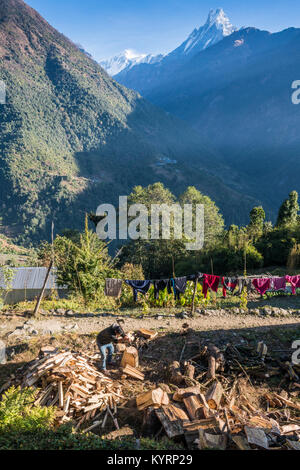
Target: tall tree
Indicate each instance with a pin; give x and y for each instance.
(288, 211)
(256, 225)
(213, 219)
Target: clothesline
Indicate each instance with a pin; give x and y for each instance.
(235, 284)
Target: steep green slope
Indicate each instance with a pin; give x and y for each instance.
(72, 138)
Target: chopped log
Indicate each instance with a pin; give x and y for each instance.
(214, 395)
(61, 394)
(120, 347)
(194, 426)
(211, 372)
(130, 357)
(172, 418)
(290, 428)
(257, 437)
(95, 425)
(287, 402)
(241, 442)
(153, 397)
(175, 375)
(124, 432)
(193, 406)
(189, 370)
(133, 372)
(215, 359)
(182, 393)
(147, 334)
(293, 445)
(151, 423)
(211, 441)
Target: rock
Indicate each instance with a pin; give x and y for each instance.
(18, 332)
(182, 315)
(267, 311)
(34, 332)
(60, 311)
(69, 313)
(2, 353)
(159, 317)
(254, 311)
(43, 312)
(71, 327)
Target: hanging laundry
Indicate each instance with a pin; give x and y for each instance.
(113, 287)
(179, 286)
(139, 286)
(294, 281)
(243, 282)
(278, 283)
(210, 281)
(193, 277)
(160, 285)
(229, 284)
(262, 285)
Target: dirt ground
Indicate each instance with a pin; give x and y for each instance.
(79, 334)
(87, 325)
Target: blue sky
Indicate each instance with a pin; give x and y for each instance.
(107, 27)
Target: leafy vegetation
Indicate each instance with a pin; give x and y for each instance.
(25, 425)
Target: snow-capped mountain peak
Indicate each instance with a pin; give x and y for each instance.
(126, 60)
(217, 26)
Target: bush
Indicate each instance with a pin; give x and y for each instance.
(26, 426)
(17, 413)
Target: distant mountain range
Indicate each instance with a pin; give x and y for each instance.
(72, 138)
(126, 60)
(217, 27)
(236, 94)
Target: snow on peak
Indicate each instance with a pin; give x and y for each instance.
(221, 21)
(126, 60)
(217, 26)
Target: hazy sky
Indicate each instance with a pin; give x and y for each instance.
(107, 27)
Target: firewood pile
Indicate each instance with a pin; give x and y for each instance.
(212, 405)
(70, 381)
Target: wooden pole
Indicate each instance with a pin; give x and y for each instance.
(194, 295)
(36, 310)
(212, 265)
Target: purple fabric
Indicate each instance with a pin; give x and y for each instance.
(279, 283)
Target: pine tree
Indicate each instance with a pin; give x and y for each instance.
(288, 212)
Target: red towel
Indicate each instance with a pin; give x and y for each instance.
(262, 285)
(210, 281)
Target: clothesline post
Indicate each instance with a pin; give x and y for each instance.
(194, 295)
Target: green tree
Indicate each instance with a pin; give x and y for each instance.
(213, 219)
(288, 212)
(84, 266)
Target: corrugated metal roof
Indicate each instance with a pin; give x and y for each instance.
(30, 278)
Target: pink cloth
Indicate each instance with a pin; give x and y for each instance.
(262, 285)
(279, 283)
(294, 281)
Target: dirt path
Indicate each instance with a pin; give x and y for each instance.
(87, 325)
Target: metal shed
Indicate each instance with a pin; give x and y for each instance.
(27, 284)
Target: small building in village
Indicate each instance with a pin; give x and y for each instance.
(26, 284)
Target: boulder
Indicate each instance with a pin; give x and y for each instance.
(2, 353)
